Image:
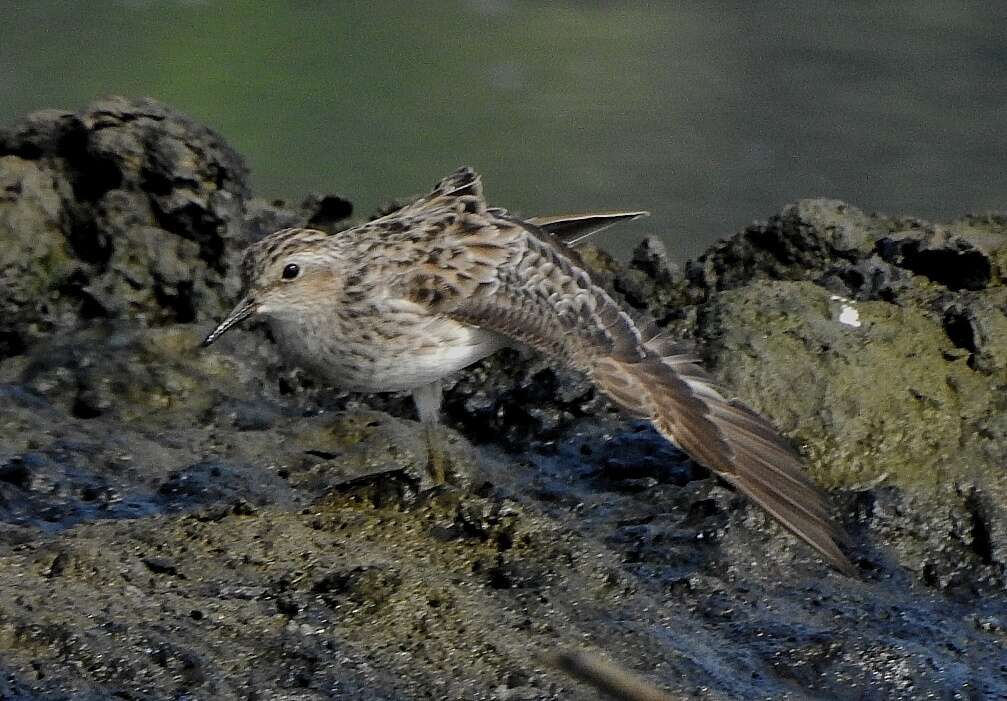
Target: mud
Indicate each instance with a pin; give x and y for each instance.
(190, 524)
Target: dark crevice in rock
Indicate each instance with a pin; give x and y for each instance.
(982, 540)
(11, 344)
(15, 473)
(88, 307)
(84, 409)
(195, 223)
(951, 266)
(88, 243)
(179, 301)
(90, 176)
(323, 454)
(958, 326)
(156, 182)
(27, 151)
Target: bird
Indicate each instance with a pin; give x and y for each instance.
(405, 300)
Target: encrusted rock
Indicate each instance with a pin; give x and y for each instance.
(124, 209)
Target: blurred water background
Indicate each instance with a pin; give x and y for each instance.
(710, 114)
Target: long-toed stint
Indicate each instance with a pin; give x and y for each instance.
(401, 302)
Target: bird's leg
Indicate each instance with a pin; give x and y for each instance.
(427, 399)
(428, 406)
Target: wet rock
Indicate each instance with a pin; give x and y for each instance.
(513, 402)
(800, 243)
(124, 209)
(131, 373)
(956, 260)
(371, 449)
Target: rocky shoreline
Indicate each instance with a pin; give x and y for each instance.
(176, 523)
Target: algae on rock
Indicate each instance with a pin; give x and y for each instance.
(881, 402)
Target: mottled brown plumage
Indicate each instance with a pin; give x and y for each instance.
(402, 301)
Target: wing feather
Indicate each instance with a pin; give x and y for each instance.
(572, 229)
(495, 271)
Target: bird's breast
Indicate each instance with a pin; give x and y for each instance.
(390, 352)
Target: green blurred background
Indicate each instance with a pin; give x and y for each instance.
(710, 114)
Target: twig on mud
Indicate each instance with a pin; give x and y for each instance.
(606, 677)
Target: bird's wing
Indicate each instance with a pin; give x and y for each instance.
(497, 272)
(573, 229)
(474, 260)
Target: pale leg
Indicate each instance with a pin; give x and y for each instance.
(428, 405)
(428, 402)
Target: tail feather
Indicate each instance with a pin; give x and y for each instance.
(687, 407)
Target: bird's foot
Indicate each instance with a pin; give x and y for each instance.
(450, 459)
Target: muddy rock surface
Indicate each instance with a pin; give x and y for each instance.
(180, 523)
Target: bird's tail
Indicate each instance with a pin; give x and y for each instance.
(670, 388)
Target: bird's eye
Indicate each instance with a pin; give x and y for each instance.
(290, 271)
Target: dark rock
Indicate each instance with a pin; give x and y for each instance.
(36, 262)
(651, 258)
(263, 218)
(327, 212)
(126, 209)
(160, 565)
(867, 278)
(960, 256)
(371, 586)
(801, 243)
(977, 324)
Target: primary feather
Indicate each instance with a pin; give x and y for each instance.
(511, 277)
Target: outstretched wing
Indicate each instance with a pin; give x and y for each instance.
(687, 406)
(493, 270)
(497, 272)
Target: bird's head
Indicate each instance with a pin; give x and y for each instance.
(285, 273)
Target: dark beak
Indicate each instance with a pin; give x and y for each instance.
(244, 309)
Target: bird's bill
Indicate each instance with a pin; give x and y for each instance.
(244, 309)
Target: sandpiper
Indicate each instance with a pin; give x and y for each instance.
(401, 302)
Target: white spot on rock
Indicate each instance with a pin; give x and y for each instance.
(849, 316)
(848, 313)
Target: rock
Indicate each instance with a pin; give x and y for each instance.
(885, 402)
(263, 218)
(976, 323)
(326, 212)
(850, 393)
(36, 261)
(126, 209)
(651, 258)
(801, 243)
